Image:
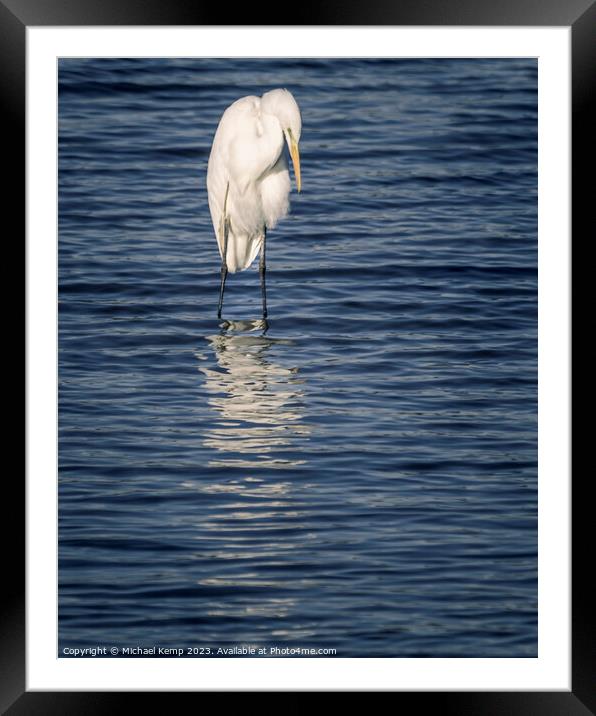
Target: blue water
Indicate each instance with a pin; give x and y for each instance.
(362, 476)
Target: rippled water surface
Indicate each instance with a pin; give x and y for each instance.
(360, 476)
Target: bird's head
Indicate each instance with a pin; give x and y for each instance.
(281, 104)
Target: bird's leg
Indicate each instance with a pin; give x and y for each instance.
(224, 264)
(262, 269)
(224, 269)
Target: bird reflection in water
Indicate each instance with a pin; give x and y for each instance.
(260, 403)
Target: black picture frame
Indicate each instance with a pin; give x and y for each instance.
(15, 17)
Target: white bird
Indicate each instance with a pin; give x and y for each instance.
(248, 181)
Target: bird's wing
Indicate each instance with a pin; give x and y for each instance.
(217, 182)
(218, 169)
(243, 244)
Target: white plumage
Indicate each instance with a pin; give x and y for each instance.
(248, 181)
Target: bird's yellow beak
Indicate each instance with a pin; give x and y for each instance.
(295, 154)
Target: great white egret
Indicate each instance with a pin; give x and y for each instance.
(248, 181)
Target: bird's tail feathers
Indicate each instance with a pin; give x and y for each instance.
(242, 251)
